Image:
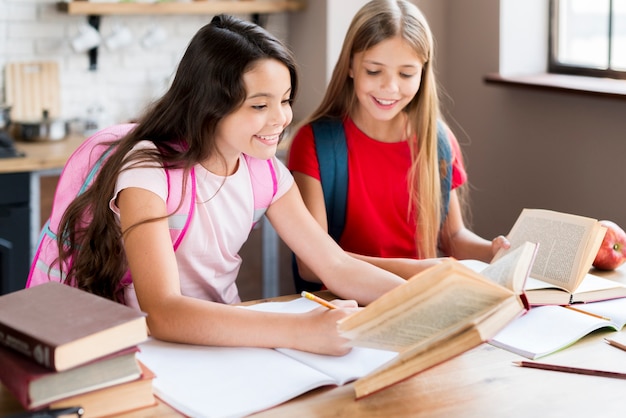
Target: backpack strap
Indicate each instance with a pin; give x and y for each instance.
(444, 154)
(264, 185)
(180, 219)
(332, 156)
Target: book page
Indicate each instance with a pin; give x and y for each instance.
(547, 329)
(512, 269)
(614, 309)
(201, 381)
(204, 381)
(563, 254)
(458, 301)
(357, 363)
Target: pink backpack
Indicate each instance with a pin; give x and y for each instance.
(79, 173)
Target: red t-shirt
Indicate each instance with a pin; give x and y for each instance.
(377, 219)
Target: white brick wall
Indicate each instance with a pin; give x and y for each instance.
(126, 80)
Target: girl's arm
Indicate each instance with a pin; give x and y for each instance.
(174, 317)
(459, 242)
(345, 276)
(313, 197)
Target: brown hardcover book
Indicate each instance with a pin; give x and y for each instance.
(60, 327)
(116, 399)
(437, 315)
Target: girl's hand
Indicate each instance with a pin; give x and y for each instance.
(499, 242)
(319, 334)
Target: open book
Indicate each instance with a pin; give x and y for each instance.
(438, 314)
(568, 244)
(544, 330)
(202, 381)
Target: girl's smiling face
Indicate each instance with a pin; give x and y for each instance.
(386, 78)
(255, 127)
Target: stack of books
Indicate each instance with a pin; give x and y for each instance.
(62, 347)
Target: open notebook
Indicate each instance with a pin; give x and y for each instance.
(202, 381)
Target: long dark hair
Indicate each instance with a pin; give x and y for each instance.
(208, 86)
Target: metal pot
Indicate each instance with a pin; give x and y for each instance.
(46, 129)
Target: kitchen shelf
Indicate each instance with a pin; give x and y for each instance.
(83, 7)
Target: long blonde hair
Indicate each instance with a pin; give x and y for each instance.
(375, 22)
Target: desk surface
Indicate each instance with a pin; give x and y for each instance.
(483, 382)
(41, 155)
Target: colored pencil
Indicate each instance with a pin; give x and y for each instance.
(567, 369)
(317, 299)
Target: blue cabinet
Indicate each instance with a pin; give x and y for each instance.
(14, 231)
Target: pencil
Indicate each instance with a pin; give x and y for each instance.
(587, 313)
(317, 299)
(567, 369)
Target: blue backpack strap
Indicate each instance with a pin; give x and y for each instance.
(444, 152)
(332, 156)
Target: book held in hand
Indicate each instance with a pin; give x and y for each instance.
(438, 314)
(35, 386)
(568, 244)
(60, 327)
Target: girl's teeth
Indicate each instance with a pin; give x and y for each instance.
(385, 102)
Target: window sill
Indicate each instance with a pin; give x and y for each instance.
(605, 87)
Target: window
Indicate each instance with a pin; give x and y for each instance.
(588, 37)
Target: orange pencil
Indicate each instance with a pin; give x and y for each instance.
(587, 313)
(317, 299)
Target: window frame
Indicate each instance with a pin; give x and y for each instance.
(556, 67)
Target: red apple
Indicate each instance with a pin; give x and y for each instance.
(612, 252)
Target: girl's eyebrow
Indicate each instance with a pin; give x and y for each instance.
(383, 64)
(264, 94)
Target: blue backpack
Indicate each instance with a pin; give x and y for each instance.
(332, 156)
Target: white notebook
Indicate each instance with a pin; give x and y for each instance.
(202, 381)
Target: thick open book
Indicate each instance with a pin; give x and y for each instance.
(545, 330)
(568, 244)
(202, 381)
(438, 314)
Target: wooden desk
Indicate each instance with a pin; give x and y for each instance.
(480, 383)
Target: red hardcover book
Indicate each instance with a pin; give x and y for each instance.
(35, 386)
(61, 327)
